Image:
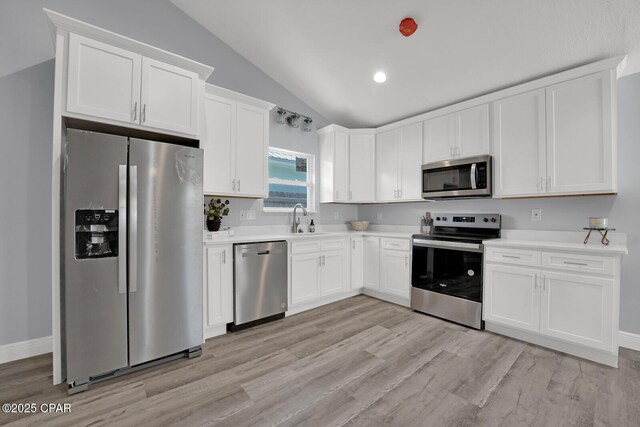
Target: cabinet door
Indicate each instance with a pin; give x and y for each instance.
(580, 137)
(372, 262)
(411, 162)
(252, 144)
(395, 273)
(387, 146)
(341, 167)
(362, 149)
(472, 131)
(578, 309)
(357, 262)
(519, 145)
(305, 277)
(512, 296)
(217, 143)
(169, 97)
(103, 80)
(334, 273)
(218, 286)
(438, 139)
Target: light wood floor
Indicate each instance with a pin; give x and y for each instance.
(358, 362)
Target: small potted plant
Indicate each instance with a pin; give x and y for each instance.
(214, 213)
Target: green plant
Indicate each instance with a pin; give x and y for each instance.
(216, 209)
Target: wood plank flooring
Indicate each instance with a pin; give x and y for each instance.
(357, 362)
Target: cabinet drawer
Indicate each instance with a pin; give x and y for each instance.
(305, 246)
(513, 256)
(396, 244)
(333, 244)
(579, 262)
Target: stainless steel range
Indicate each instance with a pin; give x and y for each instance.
(446, 271)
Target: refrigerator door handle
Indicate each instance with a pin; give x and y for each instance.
(133, 228)
(122, 229)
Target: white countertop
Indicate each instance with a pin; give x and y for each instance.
(561, 241)
(264, 234)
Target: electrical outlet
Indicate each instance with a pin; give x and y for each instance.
(336, 215)
(536, 214)
(379, 216)
(243, 215)
(251, 215)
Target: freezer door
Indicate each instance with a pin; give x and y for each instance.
(94, 279)
(165, 249)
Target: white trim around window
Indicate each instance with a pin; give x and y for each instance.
(310, 184)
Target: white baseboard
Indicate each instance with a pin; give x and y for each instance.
(24, 349)
(629, 340)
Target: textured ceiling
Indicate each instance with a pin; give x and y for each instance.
(326, 52)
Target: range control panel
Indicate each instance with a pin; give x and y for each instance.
(466, 220)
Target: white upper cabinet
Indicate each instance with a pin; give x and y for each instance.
(109, 84)
(556, 141)
(580, 136)
(398, 161)
(387, 148)
(334, 164)
(461, 134)
(519, 144)
(472, 132)
(362, 162)
(103, 80)
(438, 139)
(219, 131)
(341, 167)
(235, 143)
(169, 97)
(252, 148)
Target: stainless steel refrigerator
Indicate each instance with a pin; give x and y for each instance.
(132, 274)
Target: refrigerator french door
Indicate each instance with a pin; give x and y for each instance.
(133, 252)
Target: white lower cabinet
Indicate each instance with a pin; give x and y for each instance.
(395, 271)
(218, 289)
(578, 308)
(305, 277)
(560, 307)
(512, 297)
(371, 262)
(387, 268)
(320, 268)
(357, 262)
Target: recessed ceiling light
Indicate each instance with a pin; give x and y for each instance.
(380, 77)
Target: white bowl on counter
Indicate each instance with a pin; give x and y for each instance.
(359, 225)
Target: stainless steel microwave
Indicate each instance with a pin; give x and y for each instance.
(459, 178)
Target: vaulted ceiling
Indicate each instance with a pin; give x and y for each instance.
(326, 52)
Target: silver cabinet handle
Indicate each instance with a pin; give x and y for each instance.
(133, 229)
(350, 194)
(122, 229)
(135, 111)
(576, 263)
(224, 256)
(233, 184)
(406, 260)
(535, 282)
(143, 116)
(353, 244)
(544, 283)
(511, 256)
(319, 259)
(238, 185)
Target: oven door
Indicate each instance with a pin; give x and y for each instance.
(448, 267)
(469, 177)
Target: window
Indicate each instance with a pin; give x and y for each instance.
(291, 180)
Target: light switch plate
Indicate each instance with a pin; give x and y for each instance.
(536, 214)
(243, 215)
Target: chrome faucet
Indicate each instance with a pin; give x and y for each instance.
(296, 221)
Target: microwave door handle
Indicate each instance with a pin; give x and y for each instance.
(474, 173)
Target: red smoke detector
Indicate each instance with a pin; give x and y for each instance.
(408, 26)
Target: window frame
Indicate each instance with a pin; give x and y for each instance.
(310, 184)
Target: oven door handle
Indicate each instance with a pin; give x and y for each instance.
(460, 246)
(474, 173)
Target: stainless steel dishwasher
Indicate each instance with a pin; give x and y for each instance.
(260, 283)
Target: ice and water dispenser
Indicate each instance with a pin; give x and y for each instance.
(96, 233)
